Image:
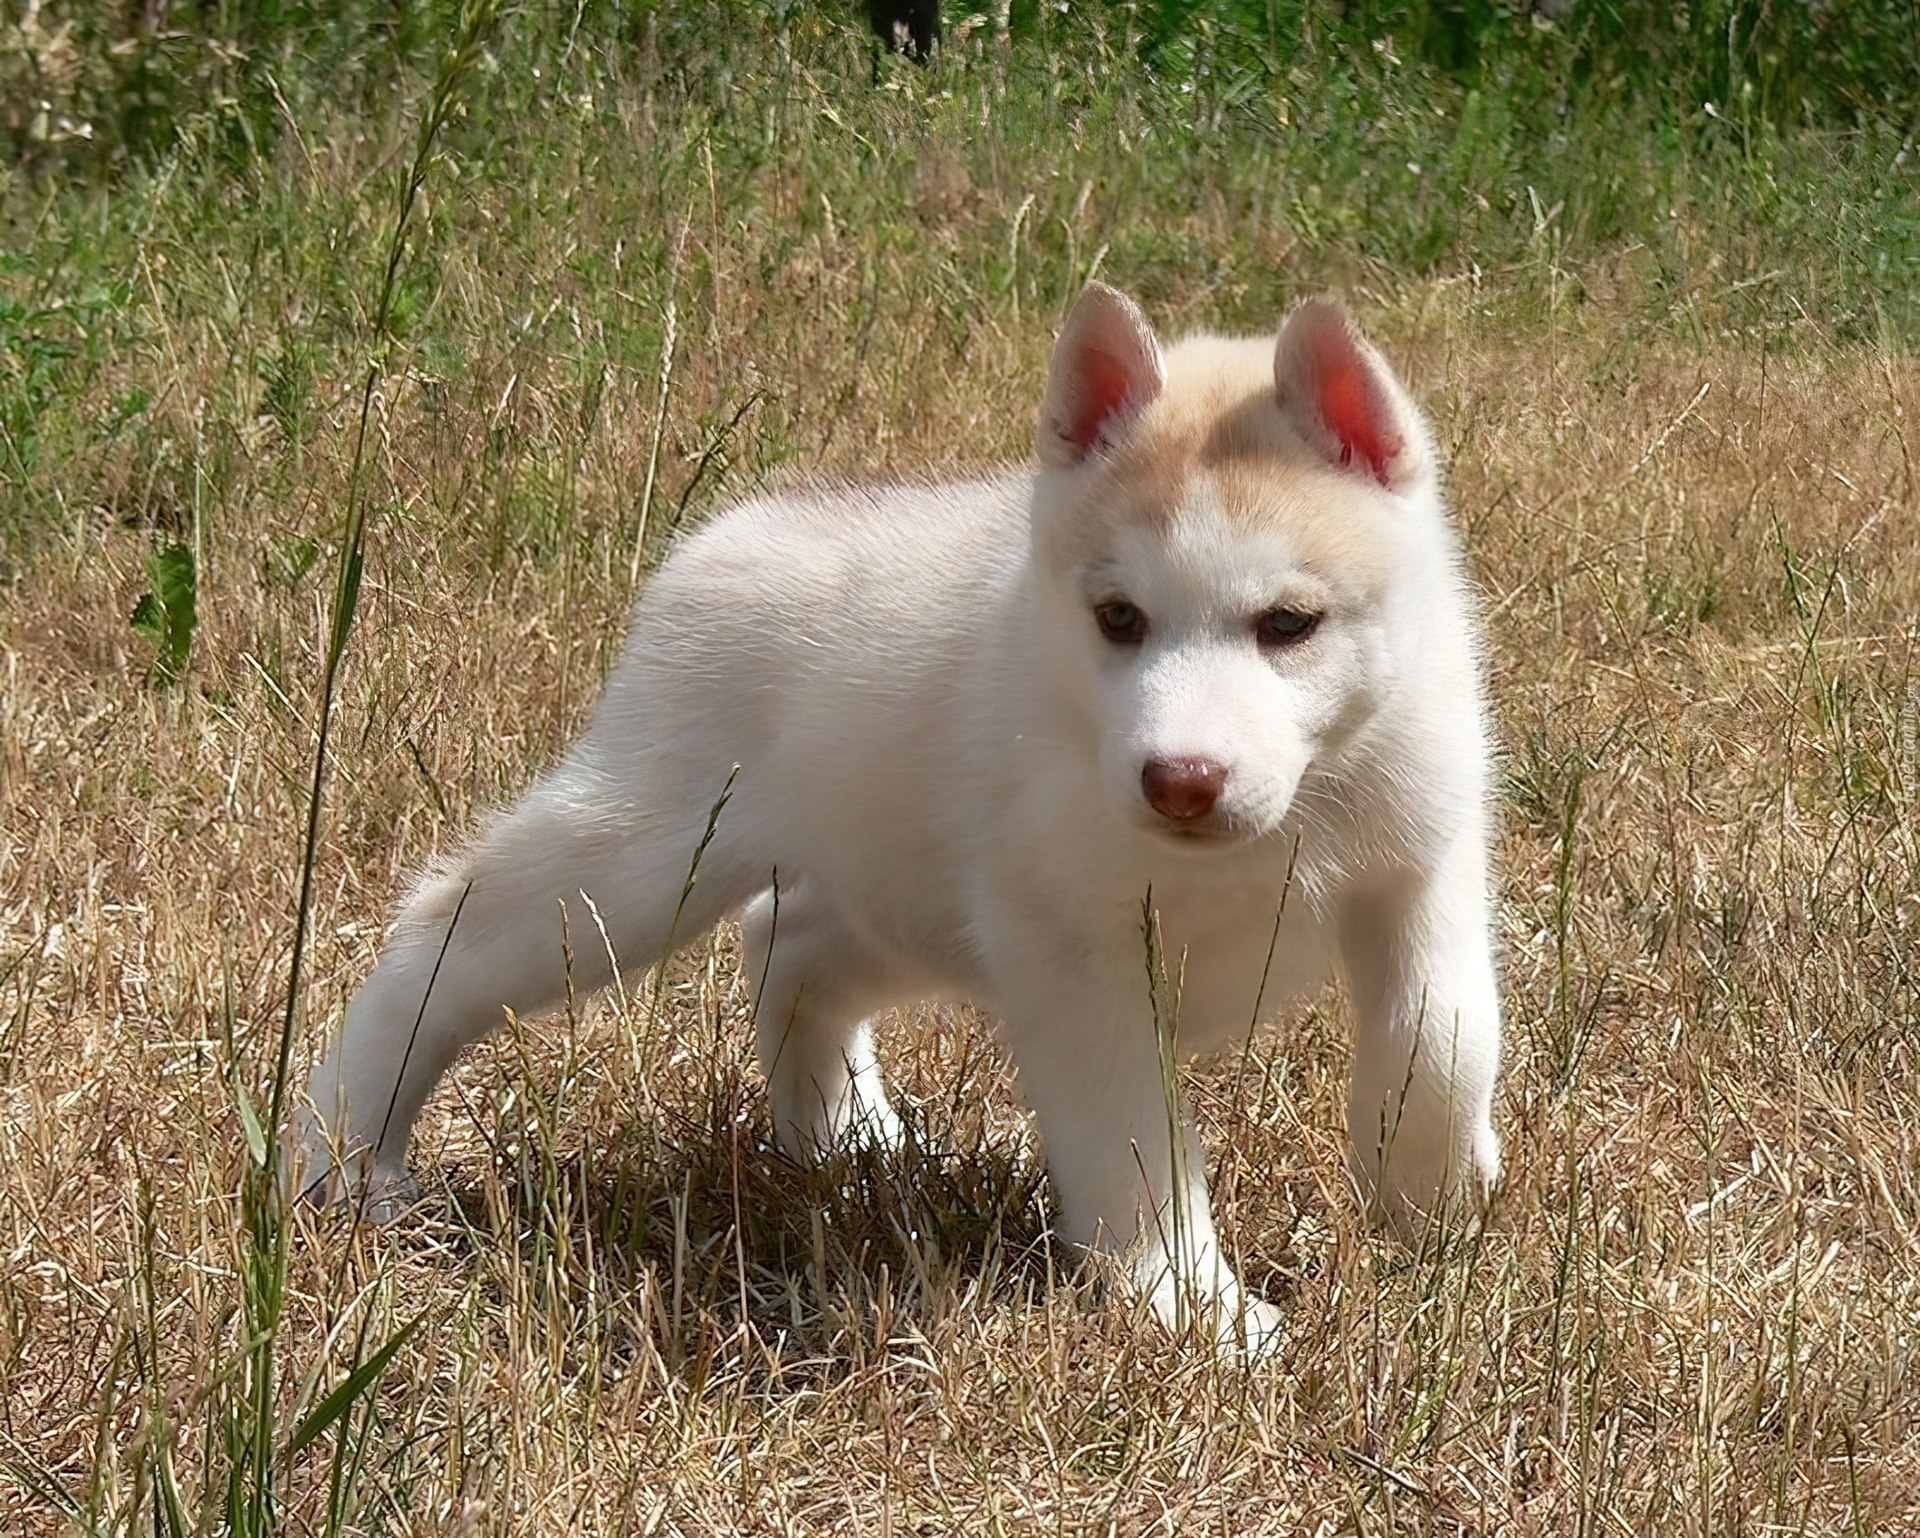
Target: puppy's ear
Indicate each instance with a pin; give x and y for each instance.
(1343, 399)
(1106, 367)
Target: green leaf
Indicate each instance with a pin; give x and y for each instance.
(346, 596)
(256, 1139)
(170, 1512)
(149, 619)
(341, 1399)
(130, 404)
(165, 615)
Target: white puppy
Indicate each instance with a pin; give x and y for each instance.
(1221, 629)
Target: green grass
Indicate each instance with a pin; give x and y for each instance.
(982, 190)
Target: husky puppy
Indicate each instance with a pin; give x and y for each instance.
(1219, 634)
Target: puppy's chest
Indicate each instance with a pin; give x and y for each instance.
(1229, 969)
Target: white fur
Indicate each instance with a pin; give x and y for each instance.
(941, 757)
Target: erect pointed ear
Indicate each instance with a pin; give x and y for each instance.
(1343, 399)
(1106, 367)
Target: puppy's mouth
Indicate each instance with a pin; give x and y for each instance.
(1220, 828)
(1211, 831)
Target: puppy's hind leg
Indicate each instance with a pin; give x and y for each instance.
(816, 988)
(486, 936)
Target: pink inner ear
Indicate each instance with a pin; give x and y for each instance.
(1342, 399)
(1103, 388)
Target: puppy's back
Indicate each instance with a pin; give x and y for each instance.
(802, 624)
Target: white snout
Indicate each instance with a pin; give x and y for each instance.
(1209, 746)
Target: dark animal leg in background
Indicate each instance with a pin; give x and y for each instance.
(911, 26)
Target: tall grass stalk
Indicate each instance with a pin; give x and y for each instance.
(658, 996)
(669, 341)
(256, 1468)
(1163, 991)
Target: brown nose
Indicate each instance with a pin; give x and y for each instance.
(1183, 789)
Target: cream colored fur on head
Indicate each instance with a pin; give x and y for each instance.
(1220, 633)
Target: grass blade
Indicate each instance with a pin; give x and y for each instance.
(250, 1121)
(343, 1398)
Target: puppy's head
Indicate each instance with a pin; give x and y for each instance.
(1217, 528)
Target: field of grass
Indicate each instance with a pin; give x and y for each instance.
(1670, 362)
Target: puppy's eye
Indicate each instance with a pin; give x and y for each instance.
(1284, 627)
(1121, 623)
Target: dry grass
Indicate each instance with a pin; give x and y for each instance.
(1693, 1309)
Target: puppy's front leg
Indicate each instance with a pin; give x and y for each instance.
(1128, 1181)
(1419, 959)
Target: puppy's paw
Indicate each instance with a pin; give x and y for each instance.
(876, 1125)
(1486, 1166)
(387, 1194)
(1416, 1191)
(1235, 1322)
(1250, 1329)
(379, 1194)
(384, 1195)
(861, 1121)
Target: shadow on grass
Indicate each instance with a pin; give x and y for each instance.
(690, 1224)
